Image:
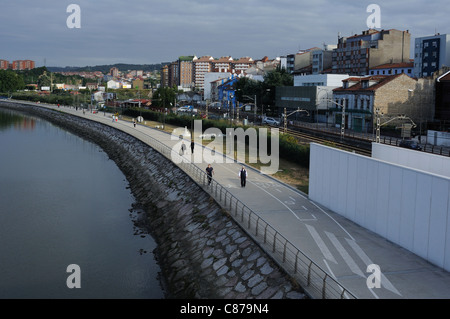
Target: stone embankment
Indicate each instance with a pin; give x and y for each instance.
(201, 251)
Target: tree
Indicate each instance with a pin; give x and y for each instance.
(163, 97)
(10, 81)
(272, 80)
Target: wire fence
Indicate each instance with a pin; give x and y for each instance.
(311, 277)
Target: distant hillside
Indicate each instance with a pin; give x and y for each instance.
(107, 68)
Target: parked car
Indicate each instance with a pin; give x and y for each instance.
(270, 121)
(410, 144)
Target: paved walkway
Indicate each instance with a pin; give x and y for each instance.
(339, 246)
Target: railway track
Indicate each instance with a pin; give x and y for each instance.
(308, 138)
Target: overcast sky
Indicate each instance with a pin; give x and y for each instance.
(150, 31)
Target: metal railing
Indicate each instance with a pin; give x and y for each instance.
(311, 277)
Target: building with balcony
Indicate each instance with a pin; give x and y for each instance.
(164, 80)
(23, 65)
(357, 54)
(4, 65)
(431, 53)
(186, 72)
(202, 66)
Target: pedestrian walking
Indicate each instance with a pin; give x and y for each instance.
(210, 173)
(134, 122)
(183, 148)
(192, 146)
(243, 176)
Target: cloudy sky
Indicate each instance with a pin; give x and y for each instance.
(150, 31)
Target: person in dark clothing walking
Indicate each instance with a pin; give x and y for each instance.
(243, 176)
(192, 146)
(183, 148)
(210, 173)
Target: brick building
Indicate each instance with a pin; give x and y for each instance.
(4, 64)
(23, 65)
(393, 95)
(357, 54)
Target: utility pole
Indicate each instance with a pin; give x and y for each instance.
(286, 116)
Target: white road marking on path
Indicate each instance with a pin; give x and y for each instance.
(345, 255)
(384, 281)
(320, 243)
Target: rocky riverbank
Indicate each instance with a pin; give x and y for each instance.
(202, 252)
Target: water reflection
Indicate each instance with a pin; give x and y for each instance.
(10, 119)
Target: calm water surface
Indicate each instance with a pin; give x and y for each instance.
(63, 202)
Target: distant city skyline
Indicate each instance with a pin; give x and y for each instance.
(152, 32)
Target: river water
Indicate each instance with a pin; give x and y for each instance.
(63, 202)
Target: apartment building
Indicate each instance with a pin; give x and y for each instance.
(165, 76)
(23, 65)
(357, 54)
(189, 71)
(186, 72)
(114, 72)
(173, 74)
(431, 53)
(223, 64)
(241, 65)
(4, 64)
(202, 66)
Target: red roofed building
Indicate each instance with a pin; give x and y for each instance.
(393, 69)
(392, 95)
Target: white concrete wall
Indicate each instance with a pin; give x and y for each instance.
(435, 164)
(406, 206)
(438, 138)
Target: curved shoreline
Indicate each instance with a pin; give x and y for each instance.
(202, 252)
